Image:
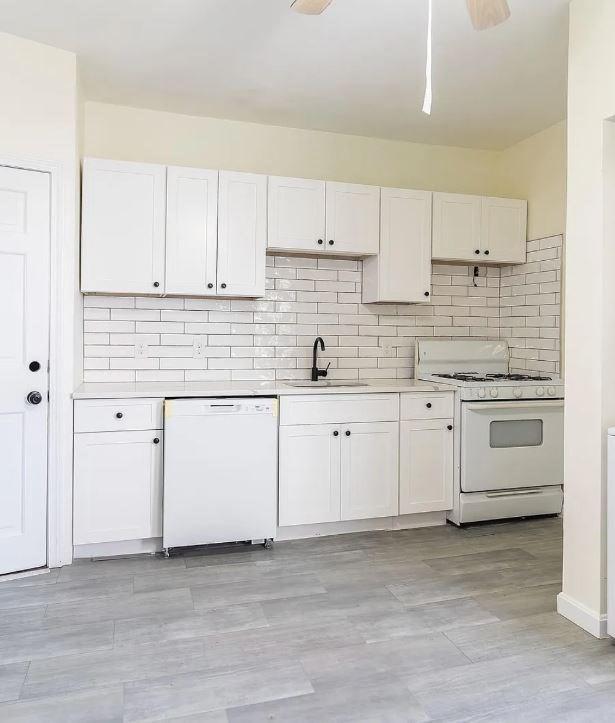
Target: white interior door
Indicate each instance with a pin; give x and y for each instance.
(24, 321)
(192, 231)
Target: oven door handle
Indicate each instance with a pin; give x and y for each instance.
(513, 493)
(518, 404)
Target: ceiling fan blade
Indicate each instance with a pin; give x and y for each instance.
(487, 13)
(310, 7)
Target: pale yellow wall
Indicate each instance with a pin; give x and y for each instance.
(145, 135)
(535, 168)
(590, 303)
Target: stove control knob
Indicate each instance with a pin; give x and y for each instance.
(540, 391)
(493, 392)
(551, 391)
(482, 393)
(517, 392)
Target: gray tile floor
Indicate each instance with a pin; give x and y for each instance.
(431, 624)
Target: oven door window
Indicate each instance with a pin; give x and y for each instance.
(515, 433)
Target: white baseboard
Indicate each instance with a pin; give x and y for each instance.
(581, 615)
(403, 522)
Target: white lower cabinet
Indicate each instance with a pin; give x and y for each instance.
(369, 475)
(118, 486)
(425, 465)
(309, 473)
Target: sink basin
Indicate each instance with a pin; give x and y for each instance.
(309, 384)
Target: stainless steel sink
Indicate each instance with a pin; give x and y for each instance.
(308, 384)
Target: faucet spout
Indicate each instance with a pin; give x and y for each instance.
(316, 372)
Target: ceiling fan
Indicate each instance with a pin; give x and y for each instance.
(483, 13)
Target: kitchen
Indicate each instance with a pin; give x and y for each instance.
(382, 353)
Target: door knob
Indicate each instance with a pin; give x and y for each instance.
(34, 366)
(34, 398)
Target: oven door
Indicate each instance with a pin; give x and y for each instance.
(508, 445)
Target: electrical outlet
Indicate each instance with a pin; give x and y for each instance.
(141, 351)
(198, 348)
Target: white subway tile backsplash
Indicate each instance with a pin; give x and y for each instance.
(265, 339)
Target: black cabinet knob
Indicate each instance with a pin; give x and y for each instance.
(210, 286)
(427, 293)
(156, 284)
(119, 415)
(428, 405)
(331, 242)
(487, 252)
(34, 366)
(320, 241)
(156, 440)
(348, 433)
(336, 433)
(477, 251)
(449, 427)
(223, 286)
(34, 398)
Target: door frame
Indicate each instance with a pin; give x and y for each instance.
(64, 258)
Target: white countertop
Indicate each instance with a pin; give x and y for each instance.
(127, 390)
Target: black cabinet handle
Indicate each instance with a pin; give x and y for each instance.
(477, 251)
(34, 366)
(336, 433)
(428, 405)
(210, 286)
(119, 415)
(331, 242)
(156, 284)
(449, 427)
(348, 433)
(427, 293)
(223, 286)
(156, 440)
(487, 252)
(320, 241)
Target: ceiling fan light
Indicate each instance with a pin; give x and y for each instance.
(310, 7)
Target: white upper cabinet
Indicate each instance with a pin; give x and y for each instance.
(456, 226)
(401, 273)
(479, 229)
(123, 227)
(242, 234)
(504, 230)
(353, 219)
(192, 231)
(296, 218)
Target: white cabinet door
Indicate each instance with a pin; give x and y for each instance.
(353, 219)
(296, 218)
(309, 474)
(123, 227)
(192, 231)
(242, 234)
(426, 466)
(117, 486)
(369, 477)
(456, 227)
(504, 230)
(401, 273)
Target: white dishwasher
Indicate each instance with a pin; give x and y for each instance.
(220, 471)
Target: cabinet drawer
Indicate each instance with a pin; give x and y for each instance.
(428, 405)
(339, 408)
(117, 415)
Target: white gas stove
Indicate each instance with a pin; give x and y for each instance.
(508, 430)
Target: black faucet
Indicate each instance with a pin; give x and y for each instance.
(316, 372)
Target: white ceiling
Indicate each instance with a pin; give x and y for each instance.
(358, 68)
